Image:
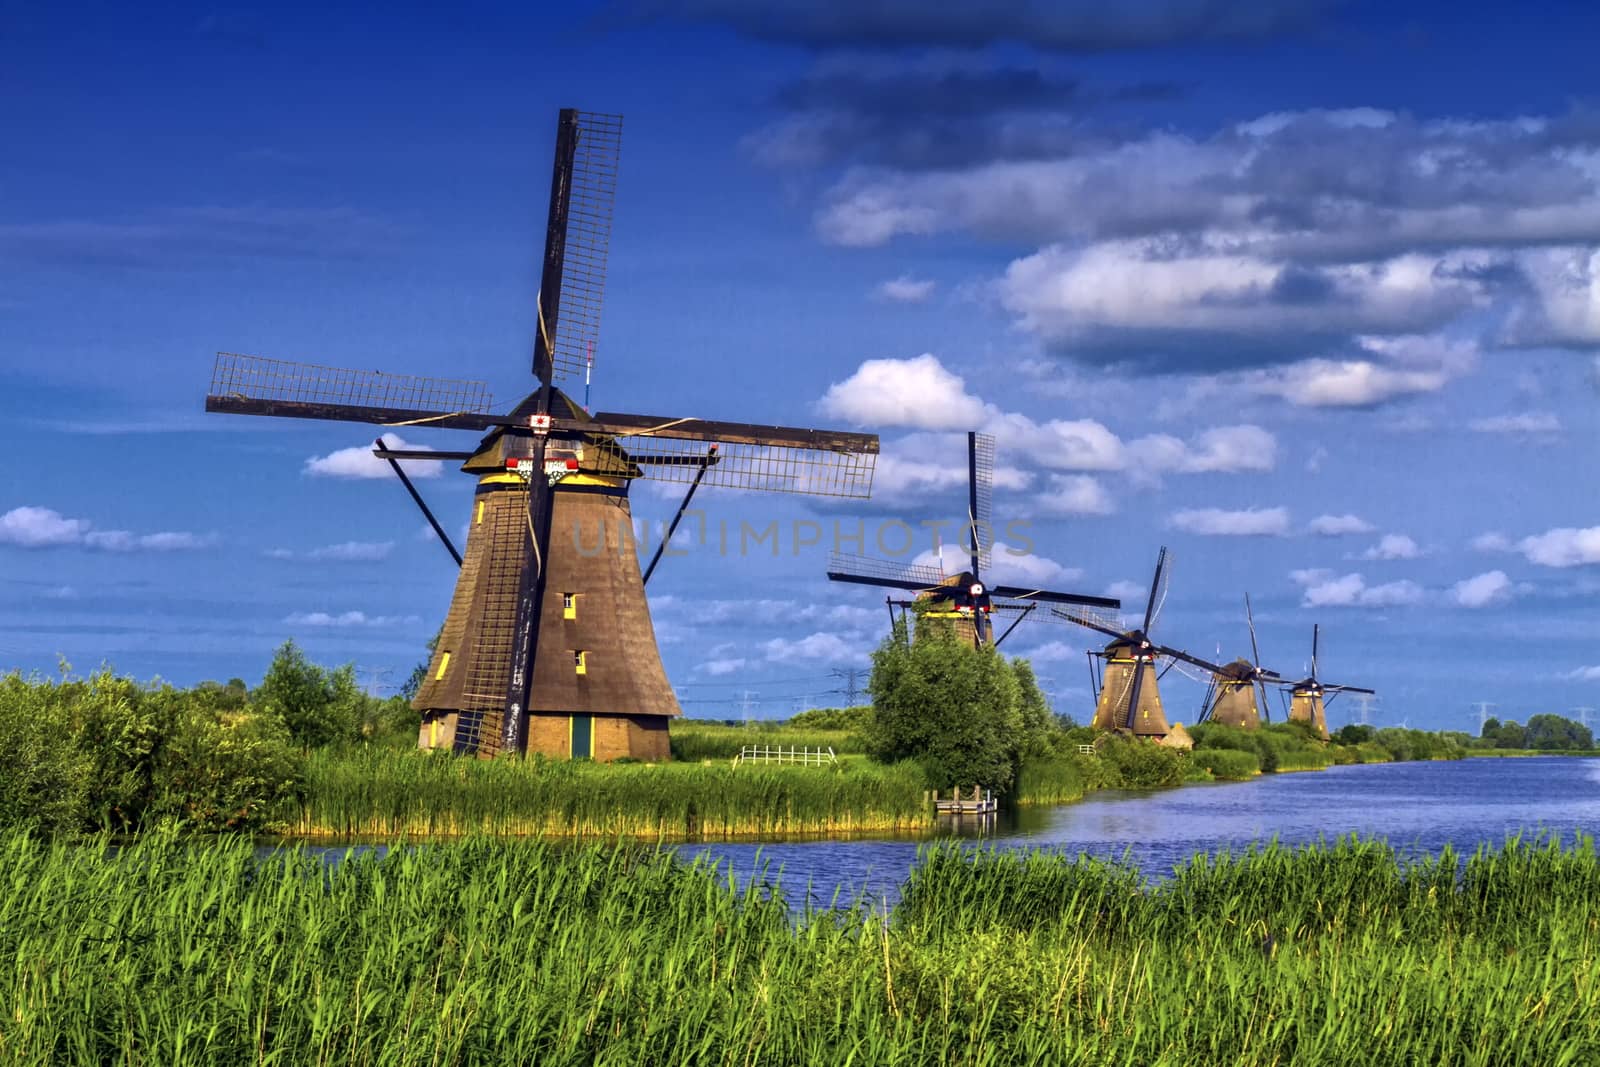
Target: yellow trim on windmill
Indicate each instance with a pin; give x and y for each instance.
(444, 661)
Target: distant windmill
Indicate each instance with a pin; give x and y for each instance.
(1306, 697)
(1231, 698)
(963, 598)
(1129, 699)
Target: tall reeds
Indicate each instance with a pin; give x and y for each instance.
(494, 952)
(381, 793)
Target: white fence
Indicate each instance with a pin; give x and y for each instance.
(807, 757)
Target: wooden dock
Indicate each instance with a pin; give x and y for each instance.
(976, 802)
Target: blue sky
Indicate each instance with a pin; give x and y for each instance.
(1311, 297)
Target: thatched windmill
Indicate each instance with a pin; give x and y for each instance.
(1306, 697)
(1231, 698)
(548, 644)
(962, 600)
(1129, 699)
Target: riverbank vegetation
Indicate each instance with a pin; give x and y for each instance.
(485, 951)
(381, 793)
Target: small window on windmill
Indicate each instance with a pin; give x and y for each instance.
(569, 605)
(580, 662)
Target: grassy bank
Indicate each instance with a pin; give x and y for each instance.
(486, 952)
(698, 740)
(386, 793)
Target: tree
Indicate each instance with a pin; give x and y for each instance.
(1556, 732)
(319, 707)
(946, 704)
(419, 673)
(1034, 710)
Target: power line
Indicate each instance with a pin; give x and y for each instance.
(849, 675)
(1483, 707)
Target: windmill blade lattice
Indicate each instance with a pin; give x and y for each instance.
(591, 197)
(803, 469)
(980, 453)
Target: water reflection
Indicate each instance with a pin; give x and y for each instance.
(1417, 807)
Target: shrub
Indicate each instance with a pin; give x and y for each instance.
(1225, 764)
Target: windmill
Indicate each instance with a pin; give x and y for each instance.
(1129, 699)
(548, 645)
(1231, 698)
(1306, 696)
(962, 599)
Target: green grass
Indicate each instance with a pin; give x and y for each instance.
(692, 740)
(381, 793)
(497, 952)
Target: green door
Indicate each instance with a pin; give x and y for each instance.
(582, 736)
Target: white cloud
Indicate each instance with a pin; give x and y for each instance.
(1051, 652)
(1583, 674)
(1491, 587)
(905, 290)
(1127, 591)
(1339, 525)
(917, 392)
(353, 551)
(1562, 306)
(1074, 494)
(1216, 522)
(1562, 547)
(1529, 423)
(817, 646)
(719, 667)
(1005, 567)
(1393, 546)
(32, 527)
(1322, 588)
(359, 462)
(1493, 541)
(346, 619)
(165, 541)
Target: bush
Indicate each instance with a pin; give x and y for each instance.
(1142, 764)
(1225, 764)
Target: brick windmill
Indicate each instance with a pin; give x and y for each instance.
(1129, 698)
(1308, 696)
(548, 644)
(1231, 698)
(963, 600)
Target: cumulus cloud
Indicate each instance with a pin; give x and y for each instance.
(917, 392)
(719, 667)
(1493, 541)
(922, 393)
(1324, 589)
(1127, 591)
(359, 462)
(31, 527)
(905, 290)
(1583, 674)
(1074, 494)
(1562, 547)
(1288, 241)
(1491, 587)
(1008, 565)
(1338, 525)
(823, 646)
(1217, 522)
(1528, 423)
(34, 527)
(1393, 546)
(1051, 652)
